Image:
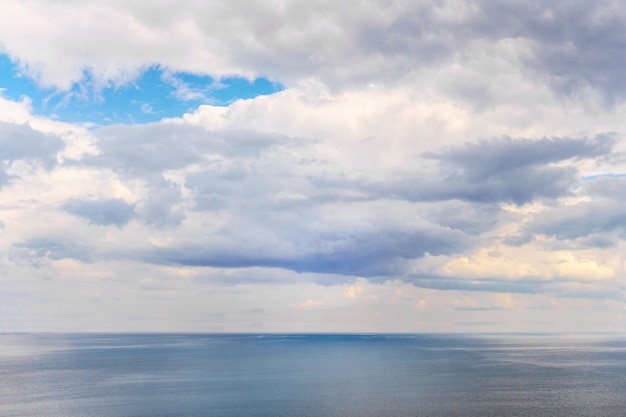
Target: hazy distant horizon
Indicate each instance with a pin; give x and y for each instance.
(398, 334)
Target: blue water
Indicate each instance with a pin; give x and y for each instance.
(310, 375)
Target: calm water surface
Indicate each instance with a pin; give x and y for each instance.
(310, 375)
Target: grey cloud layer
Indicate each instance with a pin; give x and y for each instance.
(381, 252)
(515, 171)
(569, 45)
(501, 170)
(582, 221)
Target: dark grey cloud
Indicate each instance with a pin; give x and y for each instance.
(577, 44)
(514, 170)
(489, 158)
(501, 170)
(574, 44)
(101, 212)
(590, 221)
(370, 254)
(21, 142)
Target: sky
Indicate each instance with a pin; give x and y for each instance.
(312, 166)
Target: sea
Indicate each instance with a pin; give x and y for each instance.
(311, 375)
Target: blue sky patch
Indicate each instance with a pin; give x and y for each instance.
(156, 94)
(609, 175)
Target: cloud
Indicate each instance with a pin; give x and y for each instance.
(54, 249)
(427, 164)
(486, 159)
(576, 47)
(23, 143)
(162, 208)
(142, 150)
(223, 38)
(305, 305)
(381, 253)
(606, 187)
(514, 171)
(571, 48)
(586, 219)
(168, 157)
(471, 219)
(101, 212)
(502, 170)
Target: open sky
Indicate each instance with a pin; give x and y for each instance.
(312, 166)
